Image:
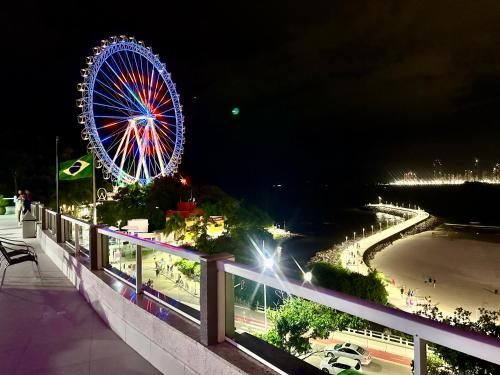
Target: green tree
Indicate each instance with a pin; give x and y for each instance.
(458, 362)
(297, 321)
(3, 204)
(165, 192)
(130, 203)
(175, 224)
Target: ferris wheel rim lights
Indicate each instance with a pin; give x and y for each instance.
(128, 84)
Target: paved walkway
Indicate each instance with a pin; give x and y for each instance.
(46, 327)
(365, 243)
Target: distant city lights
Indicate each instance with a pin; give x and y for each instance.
(419, 182)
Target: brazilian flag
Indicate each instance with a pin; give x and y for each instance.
(76, 169)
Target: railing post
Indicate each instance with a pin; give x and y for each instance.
(138, 269)
(64, 230)
(216, 300)
(44, 218)
(77, 238)
(59, 231)
(419, 356)
(97, 247)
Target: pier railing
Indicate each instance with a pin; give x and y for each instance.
(209, 300)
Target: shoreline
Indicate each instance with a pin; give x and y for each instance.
(358, 253)
(430, 223)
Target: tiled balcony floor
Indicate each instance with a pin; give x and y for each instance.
(46, 327)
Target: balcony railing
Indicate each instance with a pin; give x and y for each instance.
(149, 267)
(76, 234)
(207, 298)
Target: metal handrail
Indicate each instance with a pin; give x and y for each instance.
(380, 335)
(76, 221)
(156, 245)
(474, 344)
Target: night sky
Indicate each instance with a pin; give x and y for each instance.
(330, 90)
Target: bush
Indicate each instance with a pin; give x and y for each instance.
(370, 288)
(189, 268)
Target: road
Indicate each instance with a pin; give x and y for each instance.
(377, 366)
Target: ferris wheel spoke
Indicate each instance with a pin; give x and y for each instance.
(157, 148)
(118, 93)
(146, 76)
(142, 77)
(130, 71)
(111, 101)
(137, 102)
(161, 103)
(114, 135)
(165, 147)
(110, 124)
(156, 90)
(124, 139)
(125, 151)
(162, 130)
(167, 126)
(140, 74)
(150, 85)
(120, 109)
(168, 110)
(142, 161)
(126, 86)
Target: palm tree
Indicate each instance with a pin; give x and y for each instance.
(175, 224)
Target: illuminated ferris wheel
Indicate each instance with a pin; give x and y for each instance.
(131, 112)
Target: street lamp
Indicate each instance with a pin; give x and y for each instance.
(354, 235)
(268, 263)
(278, 250)
(379, 200)
(308, 276)
(363, 232)
(372, 229)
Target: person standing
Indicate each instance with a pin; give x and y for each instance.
(19, 199)
(27, 201)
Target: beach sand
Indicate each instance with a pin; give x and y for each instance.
(466, 267)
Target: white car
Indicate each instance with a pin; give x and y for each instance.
(335, 365)
(351, 351)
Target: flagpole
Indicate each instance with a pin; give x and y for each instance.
(57, 174)
(93, 188)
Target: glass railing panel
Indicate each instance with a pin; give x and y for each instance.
(83, 239)
(121, 258)
(70, 232)
(295, 334)
(172, 279)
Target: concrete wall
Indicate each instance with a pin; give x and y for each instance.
(164, 345)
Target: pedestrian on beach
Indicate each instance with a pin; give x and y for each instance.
(402, 291)
(434, 283)
(19, 201)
